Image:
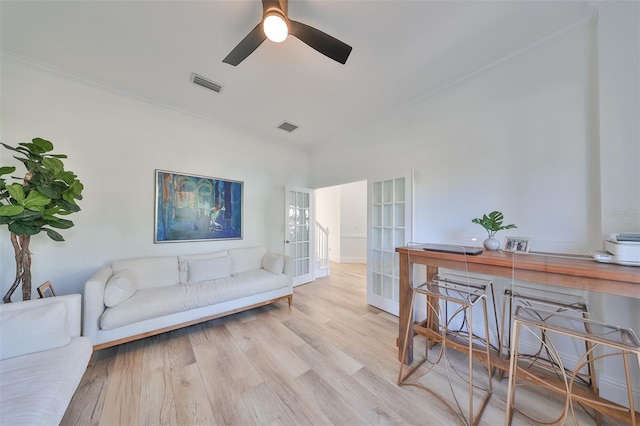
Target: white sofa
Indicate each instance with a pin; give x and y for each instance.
(42, 359)
(137, 298)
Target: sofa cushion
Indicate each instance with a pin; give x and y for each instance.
(183, 262)
(119, 288)
(143, 305)
(247, 259)
(36, 388)
(273, 263)
(33, 330)
(224, 289)
(153, 303)
(209, 269)
(150, 272)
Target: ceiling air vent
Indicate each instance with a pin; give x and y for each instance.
(201, 81)
(287, 127)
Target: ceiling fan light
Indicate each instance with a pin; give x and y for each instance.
(275, 28)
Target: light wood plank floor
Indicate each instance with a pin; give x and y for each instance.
(329, 359)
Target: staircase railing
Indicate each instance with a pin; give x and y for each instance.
(322, 251)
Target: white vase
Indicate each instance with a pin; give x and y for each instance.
(491, 243)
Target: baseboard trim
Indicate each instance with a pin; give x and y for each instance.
(353, 260)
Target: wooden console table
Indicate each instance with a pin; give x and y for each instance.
(573, 271)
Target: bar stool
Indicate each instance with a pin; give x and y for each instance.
(461, 299)
(553, 301)
(611, 340)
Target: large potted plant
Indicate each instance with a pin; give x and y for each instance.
(492, 223)
(35, 203)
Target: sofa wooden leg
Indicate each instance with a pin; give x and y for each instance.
(290, 297)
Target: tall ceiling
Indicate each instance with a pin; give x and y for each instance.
(402, 51)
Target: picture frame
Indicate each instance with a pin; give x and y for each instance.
(517, 244)
(197, 208)
(46, 290)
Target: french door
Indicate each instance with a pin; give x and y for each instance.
(298, 236)
(389, 203)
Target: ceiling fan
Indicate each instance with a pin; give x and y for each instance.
(276, 25)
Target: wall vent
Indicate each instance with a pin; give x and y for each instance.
(201, 81)
(287, 127)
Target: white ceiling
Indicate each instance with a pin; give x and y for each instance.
(402, 51)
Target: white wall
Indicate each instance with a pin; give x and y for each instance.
(521, 137)
(114, 144)
(343, 209)
(549, 136)
(619, 71)
(353, 222)
(515, 138)
(619, 129)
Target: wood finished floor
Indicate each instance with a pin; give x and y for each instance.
(329, 359)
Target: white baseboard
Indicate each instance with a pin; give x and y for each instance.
(616, 390)
(321, 272)
(353, 260)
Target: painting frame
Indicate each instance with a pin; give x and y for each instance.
(190, 207)
(46, 290)
(517, 244)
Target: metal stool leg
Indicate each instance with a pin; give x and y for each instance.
(513, 374)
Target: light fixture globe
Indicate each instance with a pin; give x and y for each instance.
(275, 27)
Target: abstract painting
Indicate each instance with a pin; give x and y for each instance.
(196, 208)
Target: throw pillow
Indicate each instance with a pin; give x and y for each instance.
(33, 330)
(247, 259)
(209, 269)
(273, 263)
(183, 263)
(119, 288)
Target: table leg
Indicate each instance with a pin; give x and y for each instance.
(406, 281)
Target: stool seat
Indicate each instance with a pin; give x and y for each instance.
(586, 329)
(548, 300)
(537, 298)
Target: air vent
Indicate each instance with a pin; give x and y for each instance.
(201, 81)
(287, 127)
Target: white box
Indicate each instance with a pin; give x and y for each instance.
(625, 252)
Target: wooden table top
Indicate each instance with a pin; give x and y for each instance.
(564, 270)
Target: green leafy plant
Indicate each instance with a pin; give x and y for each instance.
(493, 223)
(35, 203)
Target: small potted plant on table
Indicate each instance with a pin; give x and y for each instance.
(492, 223)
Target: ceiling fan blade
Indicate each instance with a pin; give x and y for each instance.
(246, 46)
(322, 42)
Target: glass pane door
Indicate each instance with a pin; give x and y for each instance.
(298, 233)
(389, 205)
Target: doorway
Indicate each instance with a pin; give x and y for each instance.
(343, 210)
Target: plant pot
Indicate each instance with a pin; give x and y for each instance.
(491, 243)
